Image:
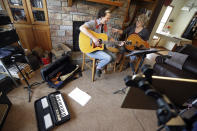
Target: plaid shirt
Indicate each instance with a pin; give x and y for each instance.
(95, 25)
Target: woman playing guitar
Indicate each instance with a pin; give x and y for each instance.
(140, 30)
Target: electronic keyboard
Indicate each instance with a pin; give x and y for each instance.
(51, 110)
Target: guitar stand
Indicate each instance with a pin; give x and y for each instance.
(123, 90)
(28, 85)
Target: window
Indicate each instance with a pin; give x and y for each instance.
(164, 19)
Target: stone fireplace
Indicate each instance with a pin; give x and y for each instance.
(63, 19)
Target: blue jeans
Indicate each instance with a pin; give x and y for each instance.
(103, 57)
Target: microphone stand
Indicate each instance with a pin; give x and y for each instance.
(28, 87)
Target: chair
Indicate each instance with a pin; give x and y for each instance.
(93, 66)
(126, 60)
(123, 61)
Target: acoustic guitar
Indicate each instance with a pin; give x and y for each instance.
(135, 42)
(87, 46)
(55, 79)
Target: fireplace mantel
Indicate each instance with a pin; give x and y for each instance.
(108, 2)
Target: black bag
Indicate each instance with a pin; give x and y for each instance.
(5, 106)
(33, 62)
(8, 38)
(6, 83)
(4, 19)
(61, 67)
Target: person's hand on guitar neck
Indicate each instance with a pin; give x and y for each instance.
(122, 43)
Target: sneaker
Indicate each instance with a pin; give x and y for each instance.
(98, 72)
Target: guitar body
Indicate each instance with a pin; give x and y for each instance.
(85, 44)
(136, 41)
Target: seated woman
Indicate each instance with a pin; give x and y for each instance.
(139, 29)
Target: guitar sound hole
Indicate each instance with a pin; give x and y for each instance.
(100, 41)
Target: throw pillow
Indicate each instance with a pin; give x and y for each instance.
(177, 59)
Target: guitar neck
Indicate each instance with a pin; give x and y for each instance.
(112, 42)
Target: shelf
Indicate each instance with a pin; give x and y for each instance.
(108, 2)
(151, 1)
(15, 6)
(40, 9)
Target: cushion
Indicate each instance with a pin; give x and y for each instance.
(190, 50)
(190, 65)
(170, 71)
(177, 59)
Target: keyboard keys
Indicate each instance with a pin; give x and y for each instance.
(55, 107)
(59, 107)
(62, 107)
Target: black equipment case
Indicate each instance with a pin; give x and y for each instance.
(63, 66)
(42, 112)
(8, 37)
(5, 106)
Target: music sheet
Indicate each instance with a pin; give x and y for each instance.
(79, 96)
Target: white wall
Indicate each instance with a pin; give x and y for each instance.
(151, 41)
(177, 4)
(182, 22)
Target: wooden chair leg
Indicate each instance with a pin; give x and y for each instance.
(83, 62)
(114, 66)
(93, 69)
(122, 63)
(105, 70)
(137, 63)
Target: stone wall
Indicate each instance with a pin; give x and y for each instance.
(61, 17)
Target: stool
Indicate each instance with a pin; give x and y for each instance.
(93, 67)
(126, 59)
